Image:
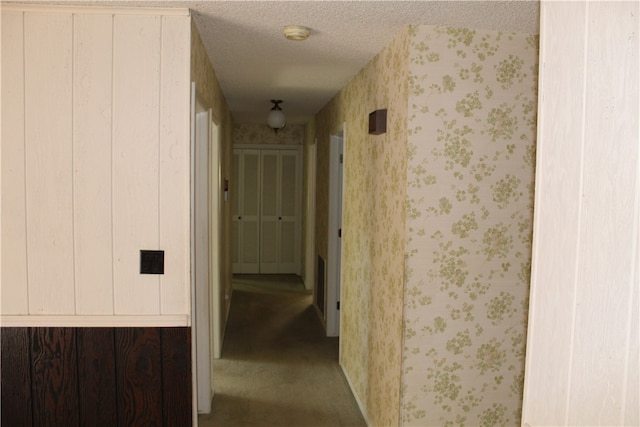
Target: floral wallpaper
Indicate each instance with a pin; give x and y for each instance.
(309, 133)
(262, 134)
(437, 223)
(470, 178)
(374, 190)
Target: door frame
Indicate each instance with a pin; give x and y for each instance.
(334, 268)
(310, 218)
(216, 204)
(201, 293)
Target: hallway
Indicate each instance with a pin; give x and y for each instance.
(277, 367)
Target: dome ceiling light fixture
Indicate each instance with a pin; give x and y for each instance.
(275, 118)
(296, 32)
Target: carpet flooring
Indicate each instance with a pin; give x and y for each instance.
(277, 367)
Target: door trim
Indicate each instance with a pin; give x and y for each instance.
(332, 316)
(310, 218)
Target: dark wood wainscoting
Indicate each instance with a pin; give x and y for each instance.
(96, 377)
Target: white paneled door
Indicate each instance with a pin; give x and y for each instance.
(267, 200)
(246, 211)
(279, 243)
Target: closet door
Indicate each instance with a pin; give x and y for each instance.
(246, 211)
(279, 221)
(289, 213)
(269, 219)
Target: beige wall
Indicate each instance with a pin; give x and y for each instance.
(100, 159)
(95, 166)
(436, 225)
(262, 134)
(373, 227)
(471, 151)
(583, 342)
(308, 265)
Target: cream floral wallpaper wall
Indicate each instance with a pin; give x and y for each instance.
(262, 134)
(470, 177)
(373, 239)
(437, 222)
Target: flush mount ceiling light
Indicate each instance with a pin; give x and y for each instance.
(296, 32)
(275, 118)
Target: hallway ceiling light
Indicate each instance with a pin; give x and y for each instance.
(296, 32)
(276, 119)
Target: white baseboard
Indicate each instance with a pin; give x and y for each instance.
(355, 395)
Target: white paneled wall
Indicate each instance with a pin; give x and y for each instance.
(92, 90)
(95, 165)
(582, 354)
(48, 162)
(14, 298)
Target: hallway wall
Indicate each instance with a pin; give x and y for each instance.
(99, 377)
(583, 350)
(95, 165)
(253, 133)
(471, 158)
(436, 225)
(373, 226)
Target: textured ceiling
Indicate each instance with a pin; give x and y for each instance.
(255, 63)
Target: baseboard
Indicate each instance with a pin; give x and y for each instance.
(226, 322)
(320, 317)
(355, 395)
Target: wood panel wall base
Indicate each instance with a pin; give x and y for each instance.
(96, 376)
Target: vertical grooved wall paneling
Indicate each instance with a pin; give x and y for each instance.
(54, 380)
(174, 164)
(97, 377)
(176, 375)
(95, 164)
(136, 52)
(14, 244)
(48, 151)
(101, 377)
(138, 376)
(607, 201)
(92, 88)
(582, 365)
(564, 189)
(15, 398)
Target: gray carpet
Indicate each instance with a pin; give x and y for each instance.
(277, 367)
(268, 283)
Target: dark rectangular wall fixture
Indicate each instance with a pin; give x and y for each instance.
(151, 262)
(103, 377)
(378, 122)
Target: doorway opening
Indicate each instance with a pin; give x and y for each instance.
(201, 253)
(206, 220)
